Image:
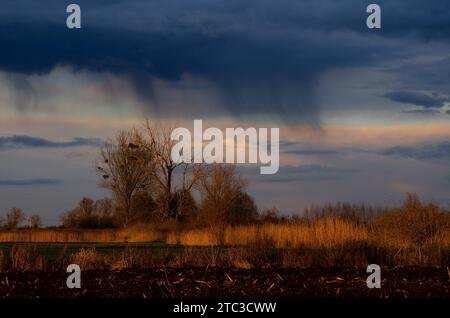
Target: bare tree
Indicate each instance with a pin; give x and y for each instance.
(14, 218)
(35, 221)
(220, 191)
(137, 167)
(172, 201)
(126, 168)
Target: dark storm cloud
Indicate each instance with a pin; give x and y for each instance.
(263, 56)
(275, 73)
(423, 151)
(29, 182)
(421, 111)
(418, 99)
(24, 141)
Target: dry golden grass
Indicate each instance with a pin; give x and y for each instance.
(141, 233)
(325, 233)
(133, 234)
(196, 237)
(27, 259)
(59, 235)
(414, 234)
(89, 259)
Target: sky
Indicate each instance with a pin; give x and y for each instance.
(363, 113)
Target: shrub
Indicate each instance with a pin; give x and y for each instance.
(89, 259)
(89, 214)
(412, 224)
(26, 259)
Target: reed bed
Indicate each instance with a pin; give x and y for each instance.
(326, 233)
(135, 234)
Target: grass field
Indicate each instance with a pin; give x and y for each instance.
(324, 258)
(135, 234)
(414, 235)
(53, 251)
(52, 257)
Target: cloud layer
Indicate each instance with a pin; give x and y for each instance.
(312, 172)
(418, 99)
(422, 151)
(259, 57)
(24, 141)
(29, 182)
